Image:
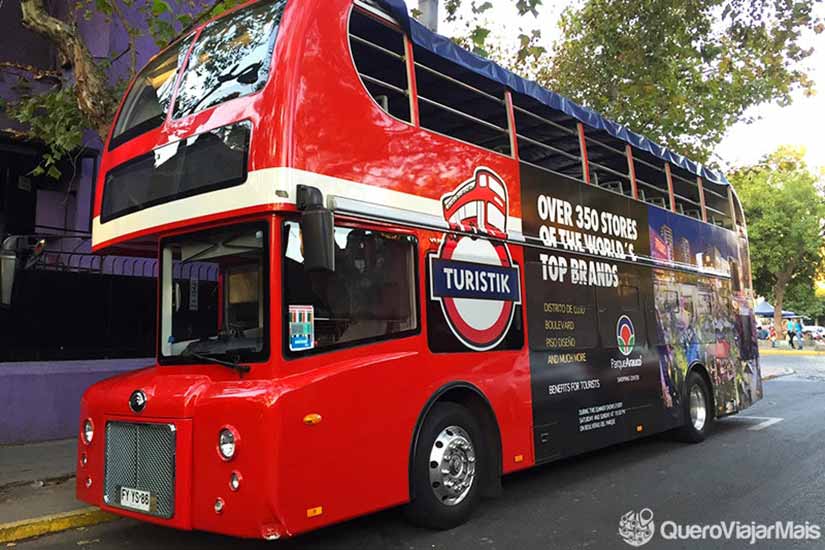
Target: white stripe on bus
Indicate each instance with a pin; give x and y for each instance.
(266, 186)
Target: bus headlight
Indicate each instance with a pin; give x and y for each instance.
(226, 443)
(88, 431)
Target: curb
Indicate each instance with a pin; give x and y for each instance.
(786, 372)
(798, 353)
(35, 527)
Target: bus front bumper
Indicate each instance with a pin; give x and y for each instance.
(145, 469)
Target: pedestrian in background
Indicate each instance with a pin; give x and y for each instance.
(798, 330)
(790, 330)
(772, 336)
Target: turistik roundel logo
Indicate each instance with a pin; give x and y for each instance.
(474, 277)
(625, 335)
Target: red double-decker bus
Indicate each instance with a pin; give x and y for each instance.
(391, 272)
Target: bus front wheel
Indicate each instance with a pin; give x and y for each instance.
(698, 413)
(448, 468)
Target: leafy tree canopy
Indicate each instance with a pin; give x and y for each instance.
(680, 73)
(785, 208)
(807, 300)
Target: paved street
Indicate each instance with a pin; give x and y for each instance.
(751, 469)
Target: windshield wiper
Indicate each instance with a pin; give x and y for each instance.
(241, 369)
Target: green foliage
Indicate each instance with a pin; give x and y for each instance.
(163, 19)
(804, 300)
(682, 72)
(476, 34)
(785, 209)
(54, 116)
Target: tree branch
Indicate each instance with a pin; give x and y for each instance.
(91, 89)
(130, 33)
(36, 72)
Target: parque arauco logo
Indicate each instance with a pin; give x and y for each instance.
(637, 528)
(625, 335)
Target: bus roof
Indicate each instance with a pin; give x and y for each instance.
(446, 49)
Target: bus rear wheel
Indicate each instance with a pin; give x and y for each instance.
(698, 413)
(448, 468)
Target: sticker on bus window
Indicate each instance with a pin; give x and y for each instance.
(301, 328)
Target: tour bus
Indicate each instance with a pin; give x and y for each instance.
(391, 272)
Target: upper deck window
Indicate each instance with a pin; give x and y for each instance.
(460, 104)
(145, 106)
(231, 58)
(198, 164)
(380, 58)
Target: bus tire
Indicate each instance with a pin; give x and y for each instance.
(698, 409)
(448, 468)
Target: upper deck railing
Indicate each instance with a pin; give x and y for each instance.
(463, 105)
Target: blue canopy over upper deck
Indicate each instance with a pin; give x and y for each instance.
(449, 51)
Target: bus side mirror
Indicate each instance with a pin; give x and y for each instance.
(317, 230)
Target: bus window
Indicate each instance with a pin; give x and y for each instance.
(231, 58)
(667, 312)
(380, 58)
(736, 281)
(459, 104)
(145, 106)
(628, 297)
(192, 267)
(198, 164)
(370, 296)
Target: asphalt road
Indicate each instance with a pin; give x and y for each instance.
(750, 470)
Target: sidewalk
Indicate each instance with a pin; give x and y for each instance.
(38, 461)
(782, 348)
(37, 488)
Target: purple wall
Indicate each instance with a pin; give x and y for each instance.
(41, 401)
(104, 40)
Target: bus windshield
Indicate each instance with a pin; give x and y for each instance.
(231, 58)
(213, 295)
(148, 100)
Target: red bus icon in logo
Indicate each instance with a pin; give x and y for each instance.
(474, 278)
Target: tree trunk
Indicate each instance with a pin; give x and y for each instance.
(94, 98)
(779, 287)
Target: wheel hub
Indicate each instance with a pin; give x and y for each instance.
(452, 465)
(698, 408)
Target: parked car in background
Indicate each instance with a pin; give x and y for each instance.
(817, 332)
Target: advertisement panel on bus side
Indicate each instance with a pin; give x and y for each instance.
(611, 336)
(591, 332)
